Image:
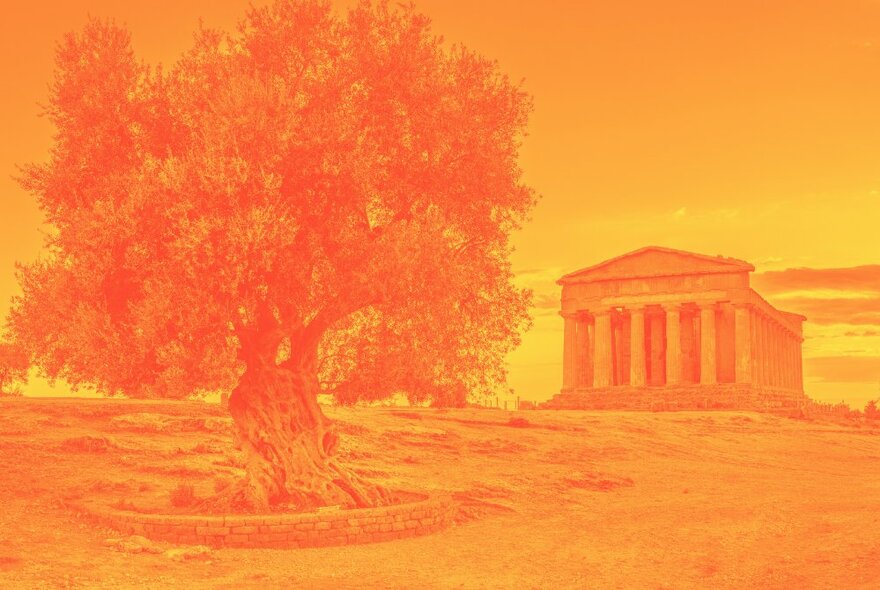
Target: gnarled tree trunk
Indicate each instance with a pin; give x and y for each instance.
(288, 442)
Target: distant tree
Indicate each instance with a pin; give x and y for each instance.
(313, 204)
(14, 365)
(872, 412)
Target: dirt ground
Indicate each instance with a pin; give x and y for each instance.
(568, 500)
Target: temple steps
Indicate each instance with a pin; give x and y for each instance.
(726, 396)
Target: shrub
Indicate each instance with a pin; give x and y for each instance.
(872, 412)
(183, 495)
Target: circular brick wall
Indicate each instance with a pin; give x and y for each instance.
(308, 529)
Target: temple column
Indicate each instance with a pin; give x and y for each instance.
(673, 344)
(783, 358)
(743, 344)
(616, 349)
(568, 351)
(582, 348)
(777, 355)
(771, 354)
(765, 351)
(788, 370)
(762, 348)
(799, 367)
(602, 366)
(658, 349)
(753, 320)
(638, 374)
(708, 361)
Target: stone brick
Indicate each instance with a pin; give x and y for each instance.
(384, 527)
(212, 530)
(322, 526)
(194, 521)
(243, 530)
(236, 540)
(231, 521)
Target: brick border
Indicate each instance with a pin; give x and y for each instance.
(283, 531)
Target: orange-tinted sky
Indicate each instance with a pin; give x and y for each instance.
(749, 129)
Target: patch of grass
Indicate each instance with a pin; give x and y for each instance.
(88, 444)
(519, 422)
(183, 496)
(209, 448)
(221, 484)
(597, 482)
(124, 504)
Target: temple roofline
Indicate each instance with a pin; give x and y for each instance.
(726, 264)
(792, 321)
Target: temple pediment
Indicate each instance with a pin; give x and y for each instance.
(654, 261)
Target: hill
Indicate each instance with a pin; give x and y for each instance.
(564, 499)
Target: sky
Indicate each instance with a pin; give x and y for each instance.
(749, 129)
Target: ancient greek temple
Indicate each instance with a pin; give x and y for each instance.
(682, 328)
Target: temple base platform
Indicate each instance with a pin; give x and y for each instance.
(721, 396)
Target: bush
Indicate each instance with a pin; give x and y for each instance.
(183, 495)
(519, 422)
(872, 412)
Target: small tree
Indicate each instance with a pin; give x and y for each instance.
(311, 204)
(14, 365)
(872, 412)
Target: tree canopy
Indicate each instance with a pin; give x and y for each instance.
(353, 175)
(14, 365)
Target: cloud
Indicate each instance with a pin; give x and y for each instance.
(826, 295)
(843, 369)
(854, 311)
(862, 334)
(854, 278)
(769, 260)
(542, 282)
(546, 301)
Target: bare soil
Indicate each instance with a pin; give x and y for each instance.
(548, 499)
